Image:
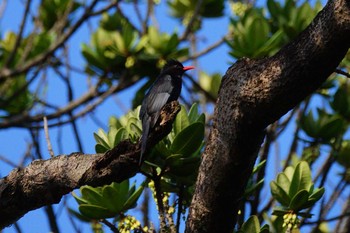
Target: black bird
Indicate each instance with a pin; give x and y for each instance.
(165, 89)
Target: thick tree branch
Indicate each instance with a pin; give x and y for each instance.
(44, 182)
(253, 94)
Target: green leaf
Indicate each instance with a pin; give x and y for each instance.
(123, 188)
(254, 187)
(193, 113)
(131, 190)
(279, 194)
(92, 195)
(92, 58)
(181, 121)
(184, 167)
(280, 211)
(79, 199)
(95, 211)
(121, 135)
(308, 124)
(274, 8)
(173, 159)
(301, 179)
(137, 131)
(283, 182)
(113, 199)
(188, 140)
(155, 39)
(201, 119)
(317, 194)
(100, 149)
(270, 45)
(168, 186)
(259, 166)
(252, 225)
(343, 156)
(131, 201)
(79, 216)
(289, 172)
(101, 138)
(132, 123)
(215, 84)
(299, 200)
(265, 229)
(331, 127)
(112, 132)
(15, 98)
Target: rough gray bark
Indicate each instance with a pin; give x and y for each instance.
(44, 182)
(253, 94)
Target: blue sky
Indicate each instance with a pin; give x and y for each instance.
(14, 141)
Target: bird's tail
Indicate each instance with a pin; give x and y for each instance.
(145, 132)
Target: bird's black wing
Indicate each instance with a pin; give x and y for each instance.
(158, 96)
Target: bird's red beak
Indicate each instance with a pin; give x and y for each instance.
(188, 68)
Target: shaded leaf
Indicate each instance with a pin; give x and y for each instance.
(95, 211)
(301, 179)
(279, 194)
(299, 200)
(188, 140)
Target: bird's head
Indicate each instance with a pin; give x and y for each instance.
(175, 67)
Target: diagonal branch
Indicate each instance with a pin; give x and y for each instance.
(44, 182)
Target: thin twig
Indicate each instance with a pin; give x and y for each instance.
(344, 215)
(24, 120)
(343, 223)
(294, 144)
(70, 216)
(283, 125)
(137, 11)
(110, 225)
(104, 9)
(70, 98)
(3, 7)
(188, 29)
(199, 87)
(179, 208)
(63, 21)
(269, 139)
(17, 227)
(339, 71)
(9, 162)
(47, 137)
(337, 191)
(149, 11)
(208, 49)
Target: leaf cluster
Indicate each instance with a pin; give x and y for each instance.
(109, 201)
(294, 190)
(256, 33)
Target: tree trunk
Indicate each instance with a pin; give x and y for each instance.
(254, 94)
